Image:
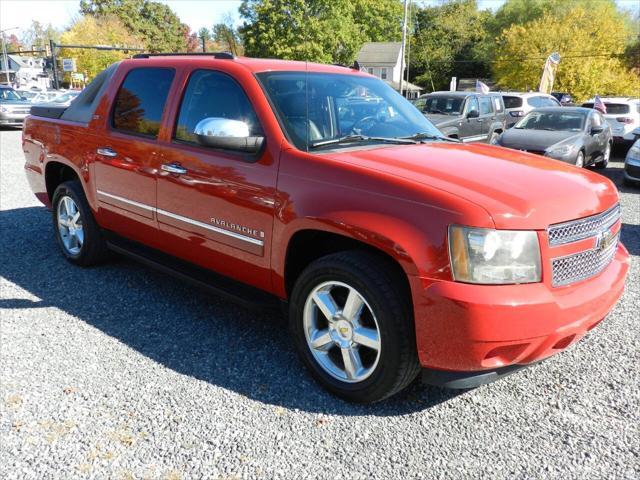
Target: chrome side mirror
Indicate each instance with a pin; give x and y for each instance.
(224, 133)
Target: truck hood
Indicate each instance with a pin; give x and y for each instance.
(535, 139)
(517, 189)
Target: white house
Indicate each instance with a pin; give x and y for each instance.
(26, 72)
(383, 59)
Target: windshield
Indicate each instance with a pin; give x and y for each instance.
(559, 121)
(65, 97)
(8, 95)
(332, 106)
(443, 105)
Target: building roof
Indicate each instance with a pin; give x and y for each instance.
(379, 52)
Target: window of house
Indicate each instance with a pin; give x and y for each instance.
(370, 70)
(212, 94)
(383, 73)
(141, 99)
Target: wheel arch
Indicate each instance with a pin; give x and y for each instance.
(56, 172)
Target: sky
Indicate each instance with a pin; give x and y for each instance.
(195, 13)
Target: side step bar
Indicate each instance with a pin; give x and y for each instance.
(202, 278)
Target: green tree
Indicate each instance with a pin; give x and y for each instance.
(317, 30)
(227, 36)
(38, 35)
(102, 30)
(591, 44)
(444, 43)
(154, 22)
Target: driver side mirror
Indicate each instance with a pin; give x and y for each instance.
(216, 132)
(473, 114)
(597, 129)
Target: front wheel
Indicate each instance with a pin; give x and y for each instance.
(580, 159)
(605, 158)
(353, 326)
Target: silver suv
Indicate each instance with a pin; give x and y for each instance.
(517, 105)
(623, 116)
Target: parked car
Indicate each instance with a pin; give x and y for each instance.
(575, 135)
(44, 96)
(393, 248)
(565, 98)
(632, 161)
(467, 116)
(13, 107)
(517, 105)
(623, 114)
(64, 99)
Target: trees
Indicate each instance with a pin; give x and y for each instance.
(38, 35)
(225, 35)
(317, 30)
(154, 22)
(590, 41)
(100, 30)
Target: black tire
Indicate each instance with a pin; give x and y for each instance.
(605, 160)
(578, 163)
(379, 285)
(94, 248)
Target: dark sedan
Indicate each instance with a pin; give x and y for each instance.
(576, 135)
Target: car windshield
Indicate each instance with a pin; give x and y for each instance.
(443, 105)
(65, 97)
(558, 121)
(320, 109)
(8, 95)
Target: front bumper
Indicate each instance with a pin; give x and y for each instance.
(12, 119)
(475, 328)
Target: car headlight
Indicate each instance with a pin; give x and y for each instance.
(560, 150)
(488, 256)
(634, 152)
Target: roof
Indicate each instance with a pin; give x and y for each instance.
(379, 52)
(254, 65)
(526, 94)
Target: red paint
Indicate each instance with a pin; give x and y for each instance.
(397, 198)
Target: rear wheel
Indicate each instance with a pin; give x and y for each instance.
(605, 157)
(580, 159)
(353, 328)
(76, 231)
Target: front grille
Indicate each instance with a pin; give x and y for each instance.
(575, 230)
(583, 265)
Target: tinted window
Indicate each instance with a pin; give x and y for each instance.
(8, 94)
(440, 104)
(472, 105)
(497, 103)
(612, 108)
(553, 121)
(140, 100)
(534, 101)
(485, 105)
(211, 94)
(512, 102)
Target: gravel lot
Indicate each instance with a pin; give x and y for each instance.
(122, 372)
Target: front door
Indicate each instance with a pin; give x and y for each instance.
(470, 127)
(215, 206)
(125, 164)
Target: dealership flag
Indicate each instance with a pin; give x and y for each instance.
(599, 105)
(549, 73)
(481, 87)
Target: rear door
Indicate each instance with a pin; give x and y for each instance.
(126, 153)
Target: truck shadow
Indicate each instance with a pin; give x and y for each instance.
(172, 323)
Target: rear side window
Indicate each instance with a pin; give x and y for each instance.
(612, 108)
(485, 105)
(512, 102)
(212, 94)
(140, 101)
(497, 104)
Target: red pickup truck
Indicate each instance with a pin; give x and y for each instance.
(395, 250)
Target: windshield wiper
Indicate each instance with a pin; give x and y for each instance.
(360, 138)
(429, 136)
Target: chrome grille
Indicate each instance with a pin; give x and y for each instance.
(575, 230)
(582, 265)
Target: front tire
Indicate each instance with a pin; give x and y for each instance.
(353, 327)
(580, 159)
(605, 158)
(76, 231)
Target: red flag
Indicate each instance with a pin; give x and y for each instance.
(599, 105)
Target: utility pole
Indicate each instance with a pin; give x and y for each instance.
(404, 41)
(54, 64)
(204, 45)
(5, 55)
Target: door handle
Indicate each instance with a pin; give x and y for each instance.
(173, 168)
(106, 152)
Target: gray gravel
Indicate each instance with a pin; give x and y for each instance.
(122, 372)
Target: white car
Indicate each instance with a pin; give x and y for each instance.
(632, 161)
(623, 116)
(517, 105)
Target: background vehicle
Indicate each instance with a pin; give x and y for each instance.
(13, 108)
(565, 98)
(395, 248)
(632, 161)
(467, 116)
(623, 115)
(571, 134)
(64, 99)
(517, 105)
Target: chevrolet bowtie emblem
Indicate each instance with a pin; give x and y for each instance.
(343, 330)
(604, 240)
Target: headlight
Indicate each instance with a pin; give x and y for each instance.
(634, 152)
(484, 255)
(560, 150)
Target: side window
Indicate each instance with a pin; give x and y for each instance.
(498, 104)
(420, 103)
(472, 105)
(596, 119)
(485, 106)
(535, 102)
(211, 94)
(140, 101)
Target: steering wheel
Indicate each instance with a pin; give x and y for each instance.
(358, 126)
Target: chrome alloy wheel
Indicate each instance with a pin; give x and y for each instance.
(70, 225)
(342, 332)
